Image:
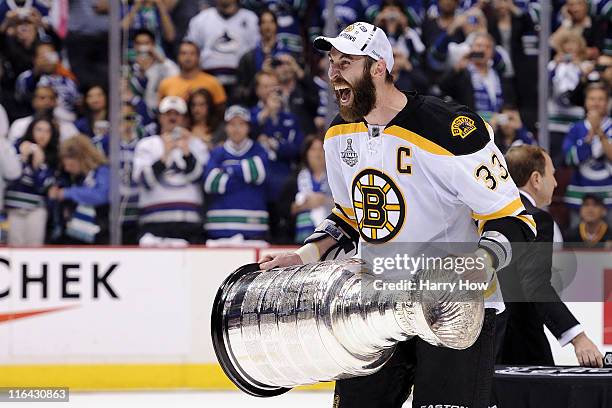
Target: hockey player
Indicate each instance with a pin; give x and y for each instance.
(411, 168)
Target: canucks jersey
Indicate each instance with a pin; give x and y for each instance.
(424, 177)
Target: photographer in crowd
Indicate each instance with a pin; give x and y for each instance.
(168, 170)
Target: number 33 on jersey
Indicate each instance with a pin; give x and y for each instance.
(424, 177)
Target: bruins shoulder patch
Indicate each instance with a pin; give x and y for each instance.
(462, 126)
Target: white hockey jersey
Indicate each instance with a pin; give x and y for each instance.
(425, 177)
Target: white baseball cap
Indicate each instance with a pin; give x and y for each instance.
(237, 111)
(360, 39)
(175, 103)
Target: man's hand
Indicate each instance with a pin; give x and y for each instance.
(587, 353)
(282, 259)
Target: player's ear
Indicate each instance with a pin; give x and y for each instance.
(380, 69)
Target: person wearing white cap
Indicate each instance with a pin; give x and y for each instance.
(168, 169)
(409, 168)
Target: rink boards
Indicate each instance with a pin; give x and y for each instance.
(116, 318)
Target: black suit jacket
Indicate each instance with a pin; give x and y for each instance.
(531, 301)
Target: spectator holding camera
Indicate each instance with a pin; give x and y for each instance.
(149, 68)
(23, 8)
(168, 170)
(565, 72)
(473, 81)
(21, 30)
(25, 197)
(509, 129)
(234, 181)
(80, 199)
(408, 49)
(48, 70)
(191, 77)
(298, 90)
(151, 15)
(279, 133)
(599, 70)
(593, 231)
(44, 102)
(94, 122)
(592, 29)
(588, 147)
(258, 58)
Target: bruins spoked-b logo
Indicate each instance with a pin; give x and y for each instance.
(462, 126)
(348, 155)
(379, 206)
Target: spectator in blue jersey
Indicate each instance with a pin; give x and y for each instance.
(588, 147)
(290, 18)
(81, 197)
(509, 129)
(260, 57)
(313, 198)
(168, 170)
(234, 181)
(152, 15)
(48, 70)
(473, 81)
(128, 188)
(25, 197)
(149, 67)
(94, 121)
(279, 133)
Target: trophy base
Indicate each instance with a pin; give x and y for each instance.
(250, 387)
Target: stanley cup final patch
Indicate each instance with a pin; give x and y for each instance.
(348, 155)
(462, 126)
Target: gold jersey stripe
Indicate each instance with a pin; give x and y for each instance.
(508, 210)
(345, 129)
(348, 211)
(344, 218)
(417, 140)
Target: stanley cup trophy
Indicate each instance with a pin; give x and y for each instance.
(273, 330)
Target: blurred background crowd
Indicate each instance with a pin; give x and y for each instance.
(224, 105)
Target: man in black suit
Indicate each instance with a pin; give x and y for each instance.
(526, 284)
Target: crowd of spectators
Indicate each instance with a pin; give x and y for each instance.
(224, 105)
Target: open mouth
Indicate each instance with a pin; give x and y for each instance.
(343, 94)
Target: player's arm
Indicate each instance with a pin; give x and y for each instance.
(337, 235)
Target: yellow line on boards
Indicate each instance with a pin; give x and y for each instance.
(124, 376)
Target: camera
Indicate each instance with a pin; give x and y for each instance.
(176, 133)
(476, 55)
(600, 68)
(276, 62)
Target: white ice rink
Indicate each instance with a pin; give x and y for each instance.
(188, 399)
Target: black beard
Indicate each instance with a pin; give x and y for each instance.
(364, 99)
